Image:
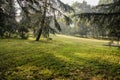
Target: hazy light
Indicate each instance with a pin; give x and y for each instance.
(91, 2)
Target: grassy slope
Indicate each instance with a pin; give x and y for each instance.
(62, 58)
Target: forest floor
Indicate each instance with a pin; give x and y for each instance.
(63, 58)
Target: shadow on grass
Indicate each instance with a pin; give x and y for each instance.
(93, 67)
(47, 66)
(40, 64)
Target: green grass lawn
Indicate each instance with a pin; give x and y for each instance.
(63, 58)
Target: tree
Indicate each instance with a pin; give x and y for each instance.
(105, 1)
(110, 18)
(7, 20)
(47, 10)
(80, 26)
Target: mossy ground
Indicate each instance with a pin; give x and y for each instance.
(63, 58)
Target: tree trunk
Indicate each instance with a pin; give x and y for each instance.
(39, 34)
(9, 35)
(118, 41)
(42, 22)
(22, 34)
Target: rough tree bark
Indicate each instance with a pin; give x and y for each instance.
(42, 23)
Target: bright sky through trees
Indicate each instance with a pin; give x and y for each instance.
(91, 2)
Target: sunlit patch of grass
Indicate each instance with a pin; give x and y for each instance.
(28, 72)
(62, 58)
(102, 56)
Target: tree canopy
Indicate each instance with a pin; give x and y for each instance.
(45, 10)
(109, 17)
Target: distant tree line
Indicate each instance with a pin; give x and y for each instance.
(80, 26)
(102, 21)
